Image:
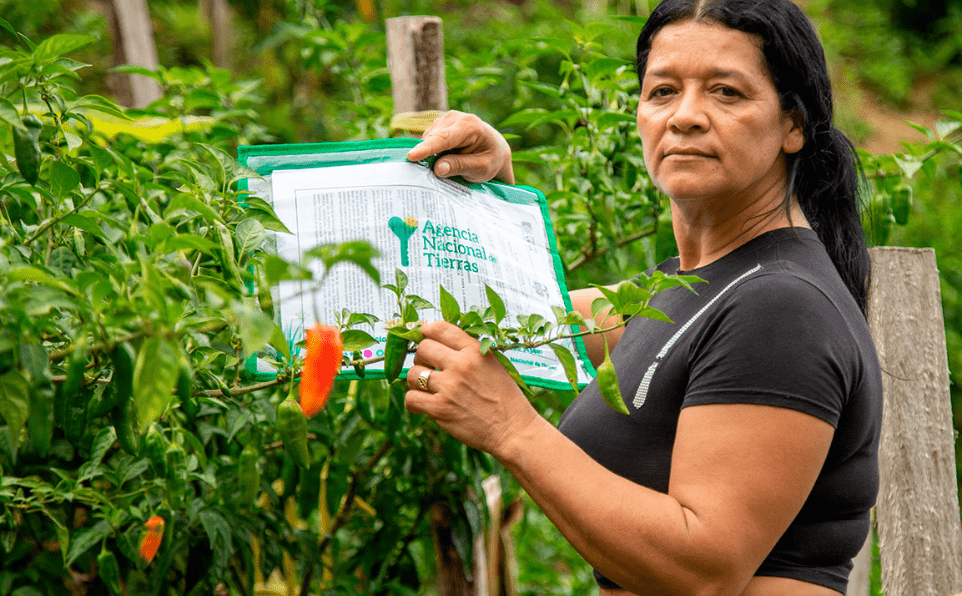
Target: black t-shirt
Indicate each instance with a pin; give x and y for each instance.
(774, 325)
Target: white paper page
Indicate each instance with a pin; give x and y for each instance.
(438, 232)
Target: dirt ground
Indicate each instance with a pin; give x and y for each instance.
(890, 127)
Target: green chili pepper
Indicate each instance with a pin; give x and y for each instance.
(102, 403)
(901, 204)
(70, 387)
(109, 571)
(74, 398)
(40, 422)
(176, 462)
(26, 148)
(124, 417)
(608, 385)
(264, 297)
(155, 448)
(75, 424)
(289, 476)
(292, 428)
(395, 351)
(248, 476)
(185, 386)
(355, 362)
(121, 383)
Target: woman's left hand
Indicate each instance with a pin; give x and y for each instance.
(469, 395)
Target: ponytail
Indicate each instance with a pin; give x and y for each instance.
(825, 181)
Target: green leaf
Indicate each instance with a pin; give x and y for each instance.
(82, 222)
(414, 334)
(515, 375)
(609, 119)
(359, 252)
(10, 115)
(600, 305)
(14, 401)
(102, 442)
(568, 363)
(908, 164)
(34, 360)
(358, 318)
(86, 539)
(355, 339)
(58, 45)
(604, 66)
(544, 88)
(417, 302)
(526, 116)
(400, 280)
(254, 327)
(138, 70)
(155, 373)
(650, 312)
(36, 275)
(96, 103)
(944, 128)
(410, 314)
(7, 26)
(219, 536)
(63, 179)
(279, 342)
(450, 310)
(190, 203)
(190, 242)
(497, 305)
(629, 293)
(486, 344)
(268, 220)
(249, 234)
(671, 281)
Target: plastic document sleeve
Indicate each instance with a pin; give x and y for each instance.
(439, 232)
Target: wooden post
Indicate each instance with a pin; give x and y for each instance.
(858, 579)
(136, 45)
(451, 579)
(415, 56)
(217, 13)
(920, 534)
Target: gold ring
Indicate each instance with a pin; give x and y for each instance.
(423, 379)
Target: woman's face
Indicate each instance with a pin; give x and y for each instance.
(710, 120)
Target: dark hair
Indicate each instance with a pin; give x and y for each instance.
(825, 175)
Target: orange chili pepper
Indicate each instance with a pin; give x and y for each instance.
(151, 540)
(321, 365)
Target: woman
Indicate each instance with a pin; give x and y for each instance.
(748, 464)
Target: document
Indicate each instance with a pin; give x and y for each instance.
(438, 232)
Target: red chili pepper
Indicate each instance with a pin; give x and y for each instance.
(323, 361)
(151, 540)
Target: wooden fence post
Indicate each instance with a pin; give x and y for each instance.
(415, 56)
(858, 579)
(919, 529)
(136, 46)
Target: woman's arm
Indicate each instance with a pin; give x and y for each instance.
(740, 473)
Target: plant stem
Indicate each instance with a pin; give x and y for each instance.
(343, 512)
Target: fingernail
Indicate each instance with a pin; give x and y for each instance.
(442, 168)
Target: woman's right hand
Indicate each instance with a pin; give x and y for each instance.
(468, 147)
